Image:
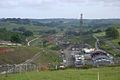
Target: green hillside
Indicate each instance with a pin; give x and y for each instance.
(110, 45)
(17, 55)
(46, 27)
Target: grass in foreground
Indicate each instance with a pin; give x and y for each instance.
(108, 73)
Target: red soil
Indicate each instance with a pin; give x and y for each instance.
(4, 50)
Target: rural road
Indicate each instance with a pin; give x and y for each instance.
(32, 41)
(98, 48)
(96, 43)
(107, 42)
(68, 57)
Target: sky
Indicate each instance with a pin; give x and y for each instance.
(39, 9)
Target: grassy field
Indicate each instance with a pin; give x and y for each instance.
(48, 56)
(17, 54)
(108, 73)
(100, 34)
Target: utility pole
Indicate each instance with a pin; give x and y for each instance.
(98, 76)
(6, 66)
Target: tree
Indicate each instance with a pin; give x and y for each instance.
(22, 29)
(3, 29)
(119, 43)
(45, 43)
(28, 33)
(16, 39)
(112, 32)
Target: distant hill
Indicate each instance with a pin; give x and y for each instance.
(36, 24)
(75, 23)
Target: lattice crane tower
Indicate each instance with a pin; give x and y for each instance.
(81, 23)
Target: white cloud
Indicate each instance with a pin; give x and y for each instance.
(59, 8)
(23, 3)
(39, 3)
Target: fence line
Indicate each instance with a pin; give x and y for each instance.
(17, 68)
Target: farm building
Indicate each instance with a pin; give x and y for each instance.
(9, 43)
(101, 58)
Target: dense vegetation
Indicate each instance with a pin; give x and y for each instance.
(59, 23)
(109, 40)
(11, 36)
(112, 32)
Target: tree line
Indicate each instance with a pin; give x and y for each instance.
(14, 36)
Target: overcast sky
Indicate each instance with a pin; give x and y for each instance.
(59, 8)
